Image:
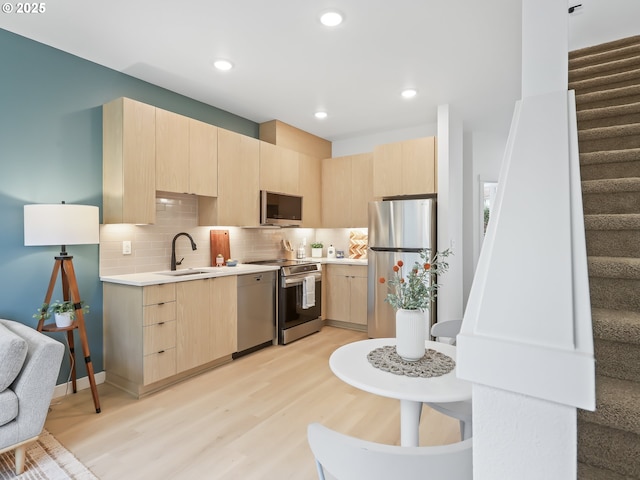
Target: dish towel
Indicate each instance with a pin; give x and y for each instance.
(309, 292)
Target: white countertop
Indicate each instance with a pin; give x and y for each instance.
(156, 278)
(339, 261)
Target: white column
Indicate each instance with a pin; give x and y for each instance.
(450, 207)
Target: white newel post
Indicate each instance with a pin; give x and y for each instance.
(526, 340)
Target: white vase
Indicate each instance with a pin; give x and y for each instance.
(63, 319)
(411, 332)
(316, 252)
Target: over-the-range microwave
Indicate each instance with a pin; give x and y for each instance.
(280, 209)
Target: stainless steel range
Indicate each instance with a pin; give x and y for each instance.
(299, 298)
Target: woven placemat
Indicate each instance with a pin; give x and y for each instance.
(432, 364)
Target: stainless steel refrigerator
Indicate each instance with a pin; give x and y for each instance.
(398, 230)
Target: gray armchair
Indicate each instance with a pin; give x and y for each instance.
(29, 366)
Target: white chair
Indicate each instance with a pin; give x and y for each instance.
(347, 458)
(459, 410)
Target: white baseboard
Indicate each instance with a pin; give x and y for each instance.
(81, 384)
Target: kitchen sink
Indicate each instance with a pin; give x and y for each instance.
(180, 273)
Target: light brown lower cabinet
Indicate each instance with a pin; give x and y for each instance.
(346, 298)
(206, 321)
(159, 334)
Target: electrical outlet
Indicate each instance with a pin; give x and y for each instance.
(126, 247)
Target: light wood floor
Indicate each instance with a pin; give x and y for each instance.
(246, 419)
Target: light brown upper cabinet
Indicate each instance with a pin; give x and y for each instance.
(287, 136)
(203, 158)
(186, 155)
(279, 169)
(311, 191)
(346, 190)
(238, 200)
(172, 152)
(128, 167)
(405, 168)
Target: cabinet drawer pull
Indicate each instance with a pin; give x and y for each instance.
(160, 304)
(161, 351)
(160, 323)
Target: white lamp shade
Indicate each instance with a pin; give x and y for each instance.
(61, 224)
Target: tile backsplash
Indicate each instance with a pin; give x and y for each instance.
(175, 213)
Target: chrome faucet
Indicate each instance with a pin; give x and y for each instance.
(173, 249)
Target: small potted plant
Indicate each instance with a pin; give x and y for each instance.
(63, 312)
(411, 297)
(316, 249)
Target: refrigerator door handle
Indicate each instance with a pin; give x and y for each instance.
(395, 249)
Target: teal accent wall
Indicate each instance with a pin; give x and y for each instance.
(50, 151)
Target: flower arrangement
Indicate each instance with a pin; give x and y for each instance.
(59, 307)
(418, 290)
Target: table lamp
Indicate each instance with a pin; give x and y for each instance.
(63, 224)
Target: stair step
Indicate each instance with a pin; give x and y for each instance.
(609, 448)
(614, 267)
(615, 293)
(617, 405)
(614, 282)
(608, 97)
(616, 325)
(609, 171)
(606, 81)
(610, 164)
(611, 196)
(617, 137)
(617, 360)
(631, 129)
(617, 347)
(604, 112)
(589, 472)
(594, 69)
(609, 116)
(604, 52)
(613, 235)
(610, 156)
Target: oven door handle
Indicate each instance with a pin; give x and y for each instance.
(298, 279)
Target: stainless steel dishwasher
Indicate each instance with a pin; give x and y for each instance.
(256, 311)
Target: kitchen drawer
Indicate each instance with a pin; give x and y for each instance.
(347, 270)
(160, 336)
(153, 294)
(158, 366)
(162, 312)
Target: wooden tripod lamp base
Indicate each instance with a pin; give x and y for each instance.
(70, 292)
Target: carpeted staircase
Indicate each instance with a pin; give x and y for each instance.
(606, 79)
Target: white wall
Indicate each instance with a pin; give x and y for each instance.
(600, 21)
(366, 143)
(487, 152)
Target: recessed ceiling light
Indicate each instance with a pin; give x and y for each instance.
(409, 93)
(331, 19)
(223, 65)
(321, 115)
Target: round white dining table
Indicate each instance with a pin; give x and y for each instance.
(350, 364)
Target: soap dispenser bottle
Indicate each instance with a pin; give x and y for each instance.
(331, 252)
